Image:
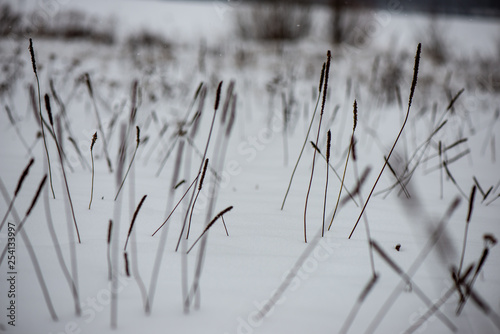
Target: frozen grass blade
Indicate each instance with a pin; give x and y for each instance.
(94, 138)
(412, 91)
(33, 62)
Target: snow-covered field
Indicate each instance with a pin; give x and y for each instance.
(262, 277)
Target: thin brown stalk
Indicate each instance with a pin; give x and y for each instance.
(351, 196)
(355, 122)
(200, 186)
(175, 207)
(412, 91)
(307, 136)
(59, 151)
(212, 222)
(133, 220)
(201, 164)
(138, 141)
(94, 138)
(33, 62)
(328, 147)
(325, 87)
(110, 231)
(99, 123)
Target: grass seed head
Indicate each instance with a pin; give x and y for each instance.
(32, 53)
(328, 145)
(321, 78)
(217, 96)
(137, 135)
(94, 139)
(355, 115)
(203, 174)
(49, 110)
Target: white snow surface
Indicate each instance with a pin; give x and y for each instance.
(241, 271)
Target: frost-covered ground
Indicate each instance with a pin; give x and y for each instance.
(241, 272)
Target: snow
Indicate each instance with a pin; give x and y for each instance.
(242, 272)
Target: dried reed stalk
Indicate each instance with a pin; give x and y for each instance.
(328, 147)
(307, 135)
(412, 91)
(59, 151)
(94, 139)
(138, 141)
(99, 123)
(325, 88)
(355, 123)
(33, 63)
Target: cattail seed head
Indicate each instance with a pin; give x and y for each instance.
(355, 115)
(32, 53)
(328, 145)
(217, 96)
(49, 110)
(94, 138)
